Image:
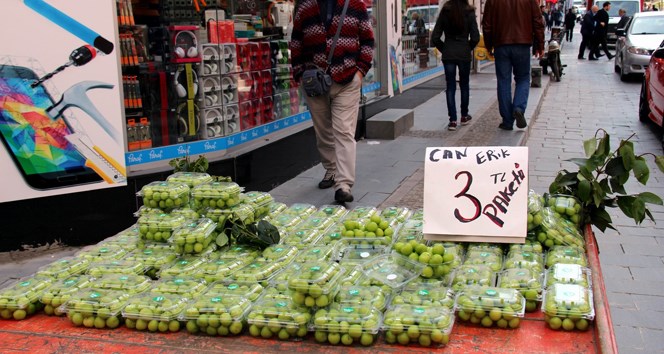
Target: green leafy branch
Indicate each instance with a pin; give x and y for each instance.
(184, 164)
(601, 178)
(259, 234)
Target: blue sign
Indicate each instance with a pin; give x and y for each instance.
(374, 86)
(422, 75)
(204, 146)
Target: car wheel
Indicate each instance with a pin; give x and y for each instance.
(623, 75)
(616, 67)
(644, 109)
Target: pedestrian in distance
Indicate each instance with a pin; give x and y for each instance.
(549, 19)
(510, 29)
(601, 30)
(557, 17)
(623, 19)
(545, 15)
(570, 21)
(587, 30)
(458, 24)
(334, 115)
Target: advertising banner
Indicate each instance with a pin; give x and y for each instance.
(476, 194)
(60, 98)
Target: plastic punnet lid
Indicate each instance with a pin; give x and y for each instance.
(335, 212)
(321, 274)
(236, 251)
(183, 266)
(158, 227)
(153, 257)
(276, 208)
(367, 232)
(102, 252)
(187, 213)
(330, 236)
(435, 318)
(280, 253)
(413, 226)
(65, 267)
(405, 236)
(316, 253)
(357, 295)
(185, 287)
(145, 210)
(246, 213)
(486, 247)
(569, 300)
(473, 275)
(191, 179)
(122, 266)
(317, 223)
(19, 294)
(258, 271)
(556, 230)
(507, 301)
(418, 214)
(129, 283)
(425, 294)
(399, 214)
(489, 258)
(568, 274)
(392, 269)
(525, 259)
(361, 212)
(228, 307)
(525, 280)
(219, 269)
(359, 255)
(366, 319)
(529, 246)
(153, 306)
(97, 301)
(66, 286)
(216, 195)
(194, 237)
(300, 237)
(258, 198)
(566, 254)
(286, 221)
(251, 291)
(278, 311)
(303, 210)
(352, 275)
(217, 215)
(164, 195)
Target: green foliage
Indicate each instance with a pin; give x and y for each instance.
(601, 177)
(261, 234)
(184, 164)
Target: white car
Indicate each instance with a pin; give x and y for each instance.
(642, 36)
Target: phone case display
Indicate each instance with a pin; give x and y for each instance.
(425, 294)
(216, 314)
(164, 195)
(347, 324)
(251, 291)
(96, 308)
(20, 299)
(264, 55)
(64, 268)
(568, 307)
(527, 281)
(129, 283)
(194, 237)
(488, 306)
(428, 326)
(154, 312)
(278, 318)
(60, 291)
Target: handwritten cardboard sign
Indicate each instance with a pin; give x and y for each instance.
(476, 194)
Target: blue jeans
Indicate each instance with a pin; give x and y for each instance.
(464, 86)
(512, 58)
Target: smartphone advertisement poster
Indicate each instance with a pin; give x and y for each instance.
(476, 194)
(60, 102)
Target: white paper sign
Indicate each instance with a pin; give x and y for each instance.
(476, 193)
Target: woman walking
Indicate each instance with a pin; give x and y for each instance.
(458, 24)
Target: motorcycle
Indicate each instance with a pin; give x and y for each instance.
(552, 59)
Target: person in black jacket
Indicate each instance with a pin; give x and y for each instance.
(570, 21)
(623, 19)
(458, 23)
(587, 28)
(601, 29)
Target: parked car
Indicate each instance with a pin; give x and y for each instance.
(644, 33)
(651, 101)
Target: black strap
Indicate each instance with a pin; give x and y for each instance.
(336, 36)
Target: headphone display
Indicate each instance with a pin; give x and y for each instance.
(184, 128)
(214, 119)
(186, 45)
(210, 52)
(211, 84)
(181, 82)
(210, 68)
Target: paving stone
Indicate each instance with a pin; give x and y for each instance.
(629, 338)
(620, 300)
(648, 302)
(653, 339)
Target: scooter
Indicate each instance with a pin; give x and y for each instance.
(552, 59)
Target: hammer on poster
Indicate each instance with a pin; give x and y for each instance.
(70, 25)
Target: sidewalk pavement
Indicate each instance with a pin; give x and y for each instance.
(560, 116)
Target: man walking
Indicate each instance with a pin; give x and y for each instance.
(512, 27)
(587, 29)
(334, 115)
(601, 30)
